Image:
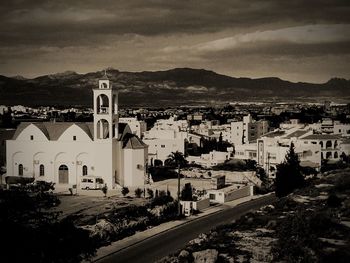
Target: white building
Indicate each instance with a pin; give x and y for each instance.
(161, 143)
(246, 151)
(248, 130)
(292, 123)
(19, 108)
(66, 152)
(273, 147)
(165, 137)
(342, 129)
(171, 124)
(329, 144)
(209, 159)
(137, 127)
(229, 193)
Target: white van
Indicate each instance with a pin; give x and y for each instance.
(90, 182)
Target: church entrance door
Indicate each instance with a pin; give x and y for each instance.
(63, 174)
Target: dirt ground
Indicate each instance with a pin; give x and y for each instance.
(87, 208)
(92, 203)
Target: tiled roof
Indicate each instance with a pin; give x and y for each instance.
(131, 141)
(53, 130)
(274, 134)
(296, 134)
(322, 137)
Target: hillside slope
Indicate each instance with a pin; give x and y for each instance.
(162, 88)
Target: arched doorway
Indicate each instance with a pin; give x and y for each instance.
(63, 174)
(20, 169)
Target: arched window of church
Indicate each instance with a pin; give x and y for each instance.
(85, 170)
(20, 169)
(42, 170)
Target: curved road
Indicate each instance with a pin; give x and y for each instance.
(165, 243)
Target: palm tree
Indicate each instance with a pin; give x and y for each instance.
(178, 159)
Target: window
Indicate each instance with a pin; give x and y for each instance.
(85, 170)
(41, 170)
(31, 137)
(74, 138)
(163, 146)
(99, 180)
(20, 169)
(212, 196)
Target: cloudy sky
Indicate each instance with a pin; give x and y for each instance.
(295, 40)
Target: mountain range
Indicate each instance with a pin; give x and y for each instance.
(179, 86)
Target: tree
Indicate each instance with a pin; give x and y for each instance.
(138, 192)
(32, 232)
(345, 158)
(179, 160)
(125, 191)
(186, 193)
(288, 175)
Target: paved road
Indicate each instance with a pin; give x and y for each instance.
(168, 242)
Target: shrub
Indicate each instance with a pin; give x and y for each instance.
(138, 192)
(150, 193)
(161, 200)
(19, 180)
(125, 191)
(334, 201)
(186, 193)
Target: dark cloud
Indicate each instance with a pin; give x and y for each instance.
(47, 22)
(40, 31)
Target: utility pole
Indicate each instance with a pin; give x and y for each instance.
(178, 191)
(268, 164)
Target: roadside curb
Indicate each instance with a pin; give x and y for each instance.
(181, 223)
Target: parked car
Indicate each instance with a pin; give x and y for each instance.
(91, 182)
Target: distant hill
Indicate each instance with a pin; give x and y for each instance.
(178, 86)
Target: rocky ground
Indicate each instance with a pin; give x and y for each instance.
(310, 225)
(109, 219)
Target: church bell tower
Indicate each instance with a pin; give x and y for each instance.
(105, 110)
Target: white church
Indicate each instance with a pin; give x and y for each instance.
(65, 152)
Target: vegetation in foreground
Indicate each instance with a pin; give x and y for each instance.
(310, 225)
(32, 234)
(126, 221)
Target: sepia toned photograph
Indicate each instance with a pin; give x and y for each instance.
(187, 131)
